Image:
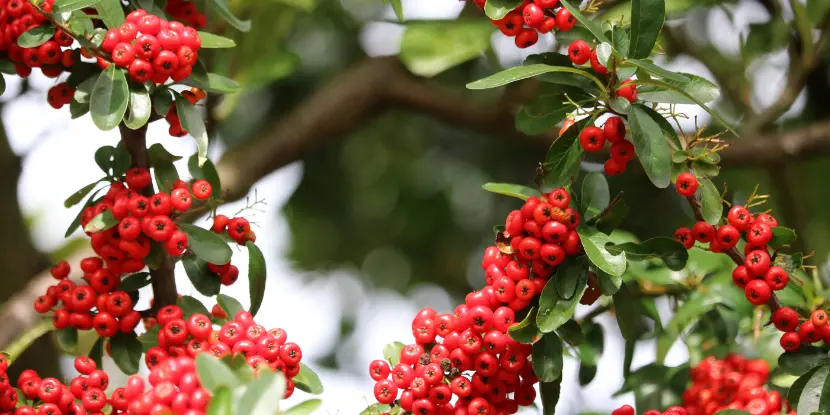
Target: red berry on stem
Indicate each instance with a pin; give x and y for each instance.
(686, 184)
(579, 52)
(565, 21)
(758, 292)
(592, 139)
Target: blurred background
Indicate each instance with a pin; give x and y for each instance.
(375, 155)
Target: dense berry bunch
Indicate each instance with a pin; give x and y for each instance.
(59, 95)
(531, 18)
(592, 139)
(152, 48)
(174, 388)
(468, 354)
(186, 337)
(811, 330)
(52, 57)
(759, 277)
(732, 383)
(186, 11)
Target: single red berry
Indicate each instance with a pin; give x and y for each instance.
(169, 40)
(202, 189)
(111, 39)
(166, 63)
(138, 178)
(579, 52)
(565, 21)
(758, 292)
(728, 236)
(123, 54)
(614, 129)
(149, 24)
(177, 243)
(703, 232)
(526, 38)
(141, 70)
(808, 332)
(791, 341)
(533, 15)
(623, 410)
(592, 139)
(549, 25)
(684, 236)
(686, 184)
(759, 234)
(819, 318)
(180, 199)
(628, 91)
(614, 167)
(776, 278)
(105, 324)
(238, 228)
(220, 223)
(741, 277)
(512, 24)
(758, 262)
(85, 365)
(785, 319)
(385, 391)
(60, 270)
(596, 65)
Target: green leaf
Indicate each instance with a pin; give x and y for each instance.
(109, 99)
(667, 84)
(397, 7)
(562, 161)
(782, 236)
(166, 175)
(121, 161)
(711, 204)
(672, 252)
(595, 195)
(591, 349)
(568, 277)
(588, 23)
(256, 276)
(622, 42)
(101, 222)
(211, 41)
(627, 312)
(803, 360)
(517, 73)
(811, 392)
(229, 304)
(308, 381)
(555, 311)
(76, 197)
(77, 221)
(304, 408)
(594, 242)
(194, 125)
(550, 396)
(221, 403)
(609, 284)
(205, 282)
(96, 353)
(429, 48)
(576, 33)
(158, 154)
(259, 398)
(126, 351)
(697, 89)
(111, 12)
(658, 71)
(604, 52)
(78, 109)
(207, 245)
(392, 353)
(221, 8)
(140, 107)
(548, 107)
(63, 6)
(497, 9)
(817, 9)
(135, 282)
(376, 409)
(613, 217)
(651, 146)
(619, 105)
(214, 373)
(515, 190)
(191, 306)
(36, 36)
(206, 172)
(547, 358)
(162, 101)
(526, 331)
(565, 78)
(213, 82)
(647, 18)
(67, 339)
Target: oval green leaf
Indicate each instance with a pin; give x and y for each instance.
(193, 123)
(304, 408)
(67, 339)
(594, 242)
(517, 73)
(221, 8)
(392, 353)
(547, 358)
(191, 306)
(803, 360)
(672, 252)
(109, 98)
(205, 282)
(701, 89)
(214, 373)
(647, 17)
(221, 403)
(135, 282)
(515, 190)
(497, 9)
(651, 146)
(36, 36)
(101, 222)
(76, 197)
(429, 48)
(811, 392)
(308, 381)
(658, 71)
(126, 351)
(526, 331)
(711, 203)
(256, 276)
(211, 41)
(595, 195)
(555, 311)
(229, 305)
(207, 245)
(140, 107)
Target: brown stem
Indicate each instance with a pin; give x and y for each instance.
(162, 279)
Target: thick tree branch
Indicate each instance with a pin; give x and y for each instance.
(162, 279)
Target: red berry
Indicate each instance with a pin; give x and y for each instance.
(596, 65)
(180, 199)
(819, 318)
(703, 232)
(739, 217)
(123, 54)
(592, 139)
(628, 91)
(149, 24)
(758, 292)
(757, 262)
(728, 236)
(614, 167)
(202, 189)
(579, 52)
(533, 15)
(141, 70)
(785, 319)
(808, 332)
(512, 24)
(165, 63)
(565, 21)
(60, 270)
(177, 243)
(791, 341)
(759, 234)
(623, 410)
(238, 228)
(684, 236)
(527, 38)
(385, 391)
(741, 277)
(776, 278)
(686, 184)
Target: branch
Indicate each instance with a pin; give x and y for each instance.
(162, 279)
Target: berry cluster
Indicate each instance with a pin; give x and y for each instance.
(52, 57)
(592, 139)
(812, 330)
(531, 18)
(174, 388)
(59, 95)
(580, 53)
(152, 48)
(84, 394)
(114, 310)
(731, 383)
(179, 337)
(186, 11)
(758, 276)
(468, 354)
